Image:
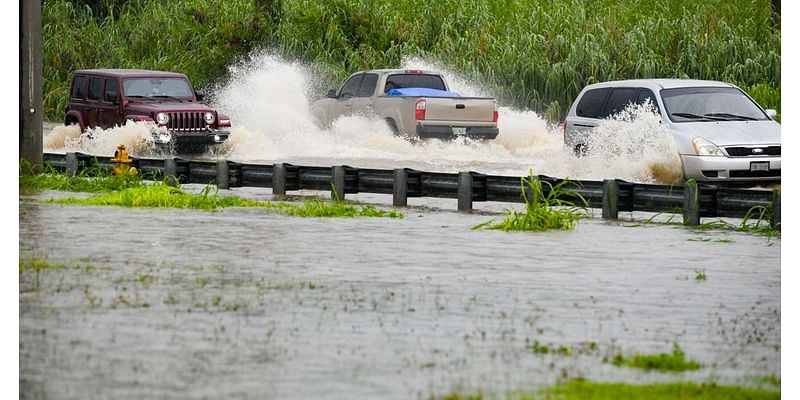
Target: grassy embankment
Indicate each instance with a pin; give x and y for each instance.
(131, 191)
(531, 54)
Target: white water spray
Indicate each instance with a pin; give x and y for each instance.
(268, 102)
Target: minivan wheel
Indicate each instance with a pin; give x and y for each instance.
(580, 150)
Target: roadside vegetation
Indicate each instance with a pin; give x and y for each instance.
(530, 54)
(92, 181)
(663, 362)
(586, 390)
(545, 209)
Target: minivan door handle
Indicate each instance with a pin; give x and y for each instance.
(460, 106)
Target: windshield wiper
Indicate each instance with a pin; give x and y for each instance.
(695, 116)
(164, 95)
(728, 116)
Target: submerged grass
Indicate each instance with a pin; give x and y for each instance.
(586, 390)
(664, 362)
(92, 181)
(161, 195)
(540, 214)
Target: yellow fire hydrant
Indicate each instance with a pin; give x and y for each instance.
(121, 163)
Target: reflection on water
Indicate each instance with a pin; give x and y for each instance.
(245, 303)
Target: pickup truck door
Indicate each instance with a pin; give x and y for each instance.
(362, 103)
(344, 101)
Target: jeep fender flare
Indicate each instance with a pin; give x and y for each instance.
(74, 115)
(138, 118)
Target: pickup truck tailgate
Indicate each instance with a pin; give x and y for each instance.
(459, 109)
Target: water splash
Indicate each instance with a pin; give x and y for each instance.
(136, 136)
(269, 101)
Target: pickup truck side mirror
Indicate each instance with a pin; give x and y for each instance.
(771, 113)
(199, 95)
(332, 94)
(112, 97)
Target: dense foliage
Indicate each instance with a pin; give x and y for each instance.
(531, 54)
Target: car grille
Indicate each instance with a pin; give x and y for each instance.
(748, 151)
(187, 121)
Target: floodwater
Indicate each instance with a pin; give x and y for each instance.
(244, 303)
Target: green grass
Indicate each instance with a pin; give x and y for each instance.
(91, 180)
(38, 264)
(531, 54)
(544, 209)
(664, 362)
(161, 195)
(586, 390)
(700, 275)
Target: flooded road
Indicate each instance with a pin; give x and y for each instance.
(244, 303)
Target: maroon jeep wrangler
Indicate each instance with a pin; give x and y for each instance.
(106, 98)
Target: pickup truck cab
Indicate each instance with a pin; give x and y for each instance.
(105, 98)
(414, 104)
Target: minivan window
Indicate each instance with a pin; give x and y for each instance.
(710, 104)
(350, 88)
(620, 99)
(591, 103)
(647, 94)
(78, 91)
(94, 89)
(400, 81)
(368, 85)
(111, 86)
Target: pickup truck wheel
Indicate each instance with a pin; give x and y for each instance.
(392, 126)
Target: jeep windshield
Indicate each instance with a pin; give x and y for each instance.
(155, 88)
(710, 104)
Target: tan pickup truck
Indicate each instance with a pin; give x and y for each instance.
(414, 103)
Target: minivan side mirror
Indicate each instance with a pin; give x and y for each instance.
(771, 113)
(332, 94)
(199, 95)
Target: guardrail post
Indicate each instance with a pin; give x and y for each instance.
(691, 204)
(279, 179)
(610, 199)
(531, 195)
(171, 171)
(337, 191)
(72, 164)
(464, 191)
(776, 209)
(400, 190)
(223, 175)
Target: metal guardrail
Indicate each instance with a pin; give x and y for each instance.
(693, 200)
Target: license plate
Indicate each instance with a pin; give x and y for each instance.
(759, 166)
(460, 131)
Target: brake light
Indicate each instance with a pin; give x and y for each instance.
(496, 115)
(413, 71)
(419, 111)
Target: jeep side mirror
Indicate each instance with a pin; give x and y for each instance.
(112, 97)
(199, 95)
(771, 113)
(332, 94)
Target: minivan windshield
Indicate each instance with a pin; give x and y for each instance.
(710, 104)
(157, 87)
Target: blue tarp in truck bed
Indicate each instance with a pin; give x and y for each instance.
(415, 91)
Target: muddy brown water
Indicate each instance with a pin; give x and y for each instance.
(244, 303)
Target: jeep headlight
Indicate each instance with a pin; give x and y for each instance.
(209, 118)
(162, 118)
(703, 147)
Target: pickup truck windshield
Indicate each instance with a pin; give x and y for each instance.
(710, 104)
(155, 87)
(400, 81)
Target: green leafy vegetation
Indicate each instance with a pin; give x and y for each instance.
(38, 264)
(564, 45)
(700, 275)
(544, 209)
(586, 390)
(90, 180)
(664, 362)
(319, 208)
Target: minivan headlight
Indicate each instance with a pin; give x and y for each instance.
(162, 118)
(703, 147)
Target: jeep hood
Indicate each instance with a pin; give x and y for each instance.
(172, 106)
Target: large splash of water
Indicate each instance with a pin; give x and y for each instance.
(269, 101)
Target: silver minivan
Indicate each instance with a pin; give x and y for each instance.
(721, 133)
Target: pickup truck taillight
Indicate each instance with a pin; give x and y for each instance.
(419, 111)
(496, 115)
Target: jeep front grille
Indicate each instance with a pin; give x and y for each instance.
(187, 121)
(753, 151)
